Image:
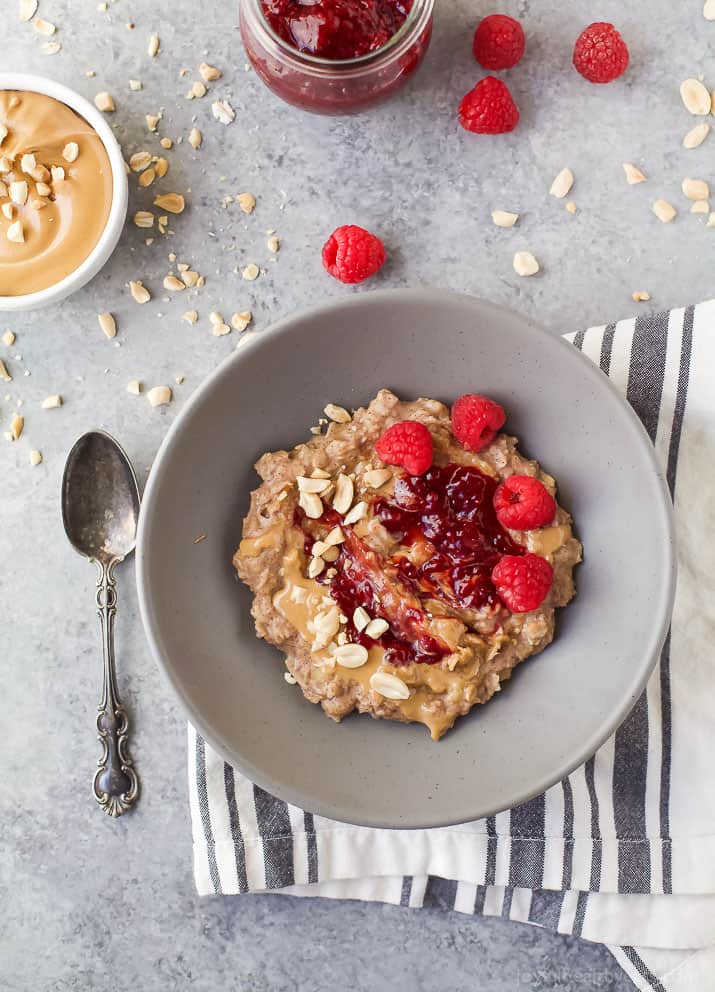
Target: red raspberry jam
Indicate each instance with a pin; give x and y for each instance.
(449, 511)
(335, 56)
(336, 29)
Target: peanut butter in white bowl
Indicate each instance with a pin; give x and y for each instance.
(62, 191)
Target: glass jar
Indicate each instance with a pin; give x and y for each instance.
(335, 86)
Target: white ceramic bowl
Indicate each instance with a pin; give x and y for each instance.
(120, 192)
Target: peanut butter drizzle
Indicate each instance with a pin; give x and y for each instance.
(60, 235)
(547, 541)
(427, 682)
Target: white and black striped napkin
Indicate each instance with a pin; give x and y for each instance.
(623, 850)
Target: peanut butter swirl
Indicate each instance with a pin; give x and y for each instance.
(55, 191)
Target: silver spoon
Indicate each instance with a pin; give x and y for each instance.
(100, 513)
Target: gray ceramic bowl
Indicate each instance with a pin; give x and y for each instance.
(558, 707)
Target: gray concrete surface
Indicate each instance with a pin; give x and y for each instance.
(89, 903)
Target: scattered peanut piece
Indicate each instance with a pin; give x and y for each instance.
(18, 192)
(16, 425)
(376, 477)
(273, 244)
(223, 111)
(503, 218)
(562, 184)
(146, 178)
(247, 202)
(134, 387)
(695, 189)
(173, 202)
(664, 211)
(152, 121)
(159, 395)
(57, 173)
(190, 316)
(139, 291)
(166, 142)
(633, 174)
(209, 73)
(139, 161)
(376, 628)
(709, 10)
(640, 296)
(28, 162)
(173, 284)
(338, 414)
(28, 9)
(711, 220)
(15, 233)
(197, 90)
(695, 137)
(195, 137)
(4, 374)
(525, 264)
(387, 685)
(696, 97)
(8, 338)
(178, 379)
(44, 27)
(571, 207)
(700, 207)
(240, 321)
(108, 324)
(52, 402)
(161, 167)
(35, 457)
(103, 101)
(51, 47)
(220, 329)
(251, 272)
(153, 46)
(135, 85)
(70, 151)
(144, 218)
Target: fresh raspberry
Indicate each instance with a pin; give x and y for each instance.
(352, 254)
(476, 421)
(407, 443)
(523, 503)
(499, 42)
(600, 53)
(522, 581)
(489, 108)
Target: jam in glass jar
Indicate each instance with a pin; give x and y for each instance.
(335, 56)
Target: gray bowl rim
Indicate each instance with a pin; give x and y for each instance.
(296, 797)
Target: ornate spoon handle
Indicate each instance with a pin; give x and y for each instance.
(115, 784)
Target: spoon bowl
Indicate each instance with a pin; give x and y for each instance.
(100, 499)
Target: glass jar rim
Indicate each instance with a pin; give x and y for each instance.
(420, 11)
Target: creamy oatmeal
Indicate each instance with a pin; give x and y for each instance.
(387, 591)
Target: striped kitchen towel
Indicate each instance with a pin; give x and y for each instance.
(623, 850)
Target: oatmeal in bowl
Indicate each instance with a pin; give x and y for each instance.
(407, 559)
